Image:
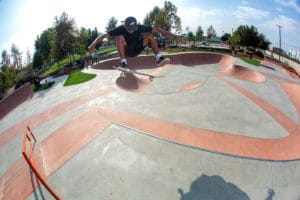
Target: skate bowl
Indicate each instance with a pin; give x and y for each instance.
(18, 97)
(225, 65)
(186, 59)
(199, 130)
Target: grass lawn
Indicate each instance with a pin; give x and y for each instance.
(61, 63)
(78, 77)
(251, 61)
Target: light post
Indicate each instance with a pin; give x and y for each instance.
(279, 28)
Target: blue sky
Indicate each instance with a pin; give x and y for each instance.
(22, 20)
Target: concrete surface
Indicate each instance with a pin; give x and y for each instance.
(213, 128)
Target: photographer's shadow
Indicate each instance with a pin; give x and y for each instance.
(213, 187)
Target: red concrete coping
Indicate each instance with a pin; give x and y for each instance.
(18, 97)
(187, 59)
(288, 70)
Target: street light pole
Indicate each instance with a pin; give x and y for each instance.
(279, 28)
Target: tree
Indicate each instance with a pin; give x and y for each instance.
(6, 73)
(28, 58)
(149, 20)
(5, 59)
(199, 33)
(112, 23)
(82, 42)
(264, 43)
(248, 35)
(191, 37)
(187, 30)
(165, 18)
(37, 61)
(65, 36)
(234, 40)
(45, 44)
(211, 32)
(92, 35)
(172, 20)
(42, 46)
(225, 37)
(16, 55)
(6, 80)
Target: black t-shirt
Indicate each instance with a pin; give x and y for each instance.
(133, 38)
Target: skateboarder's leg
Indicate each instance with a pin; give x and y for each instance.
(121, 44)
(149, 40)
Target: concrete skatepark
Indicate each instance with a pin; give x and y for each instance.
(214, 127)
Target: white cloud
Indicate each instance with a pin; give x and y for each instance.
(279, 10)
(290, 3)
(244, 13)
(290, 31)
(36, 16)
(194, 17)
(287, 23)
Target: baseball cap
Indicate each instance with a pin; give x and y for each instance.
(131, 24)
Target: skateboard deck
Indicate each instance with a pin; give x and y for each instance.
(124, 71)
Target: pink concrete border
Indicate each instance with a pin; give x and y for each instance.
(12, 101)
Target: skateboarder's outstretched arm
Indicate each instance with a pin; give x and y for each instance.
(166, 33)
(91, 48)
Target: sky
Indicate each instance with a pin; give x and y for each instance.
(21, 21)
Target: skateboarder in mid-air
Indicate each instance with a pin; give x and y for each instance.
(131, 40)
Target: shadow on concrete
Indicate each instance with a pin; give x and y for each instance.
(132, 83)
(213, 187)
(35, 183)
(271, 194)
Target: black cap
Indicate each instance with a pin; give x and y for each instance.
(131, 24)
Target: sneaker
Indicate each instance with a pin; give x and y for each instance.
(163, 61)
(123, 65)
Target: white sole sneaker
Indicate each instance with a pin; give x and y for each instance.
(164, 62)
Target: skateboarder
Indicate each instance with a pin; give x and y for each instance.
(132, 38)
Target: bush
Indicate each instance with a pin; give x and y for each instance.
(6, 81)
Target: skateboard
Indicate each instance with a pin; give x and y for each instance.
(124, 71)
